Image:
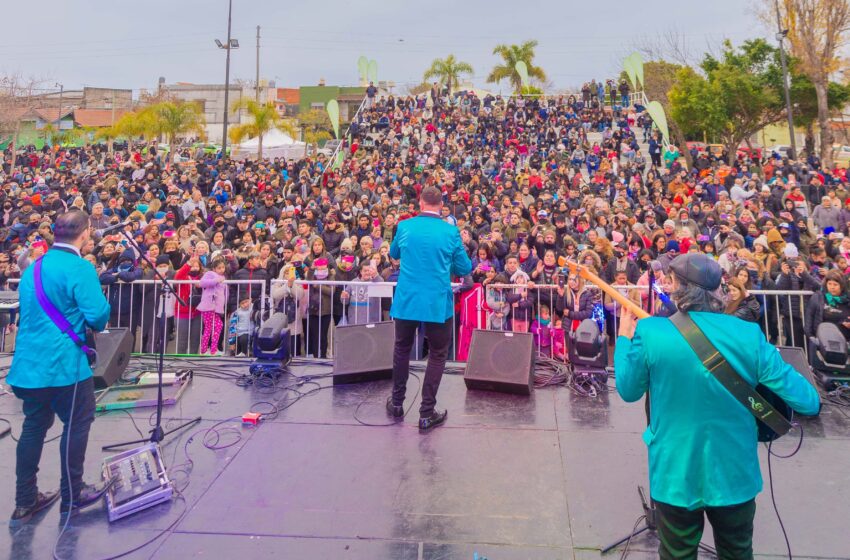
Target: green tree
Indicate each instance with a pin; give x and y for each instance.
(263, 119)
(447, 71)
(659, 78)
(316, 126)
(511, 54)
(804, 99)
(734, 98)
(169, 119)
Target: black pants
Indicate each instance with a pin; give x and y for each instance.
(680, 531)
(793, 331)
(40, 407)
(439, 337)
(317, 335)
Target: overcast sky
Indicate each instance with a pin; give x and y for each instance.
(129, 45)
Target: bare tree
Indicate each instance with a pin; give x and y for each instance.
(817, 31)
(670, 45)
(16, 101)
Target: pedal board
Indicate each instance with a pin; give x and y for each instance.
(141, 481)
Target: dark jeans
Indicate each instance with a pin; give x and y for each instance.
(40, 406)
(680, 531)
(188, 335)
(439, 337)
(317, 335)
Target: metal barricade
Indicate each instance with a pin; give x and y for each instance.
(137, 306)
(312, 326)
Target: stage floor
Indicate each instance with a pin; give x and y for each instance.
(551, 476)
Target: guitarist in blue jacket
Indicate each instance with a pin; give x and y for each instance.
(51, 374)
(431, 252)
(703, 443)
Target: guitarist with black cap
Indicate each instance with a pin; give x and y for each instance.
(702, 440)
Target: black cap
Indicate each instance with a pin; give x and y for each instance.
(699, 269)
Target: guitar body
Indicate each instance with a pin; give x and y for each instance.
(766, 434)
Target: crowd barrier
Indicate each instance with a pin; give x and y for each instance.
(316, 307)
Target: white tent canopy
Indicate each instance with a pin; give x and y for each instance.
(275, 144)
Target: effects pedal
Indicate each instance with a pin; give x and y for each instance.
(140, 481)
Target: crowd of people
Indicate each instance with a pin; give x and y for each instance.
(529, 181)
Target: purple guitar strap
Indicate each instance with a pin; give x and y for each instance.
(56, 316)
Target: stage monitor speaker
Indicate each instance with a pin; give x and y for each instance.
(500, 361)
(796, 357)
(114, 347)
(363, 352)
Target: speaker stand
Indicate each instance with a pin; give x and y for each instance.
(157, 433)
(650, 523)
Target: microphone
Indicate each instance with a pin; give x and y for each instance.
(115, 227)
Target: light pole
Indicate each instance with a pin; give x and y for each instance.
(780, 36)
(58, 125)
(229, 45)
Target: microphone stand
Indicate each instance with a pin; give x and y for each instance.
(166, 288)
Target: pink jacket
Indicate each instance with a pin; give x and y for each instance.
(214, 296)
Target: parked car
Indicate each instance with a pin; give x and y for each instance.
(329, 147)
(698, 146)
(780, 149)
(841, 156)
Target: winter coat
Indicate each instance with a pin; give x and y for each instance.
(214, 295)
(749, 309)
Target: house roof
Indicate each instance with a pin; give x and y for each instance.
(290, 96)
(50, 114)
(97, 117)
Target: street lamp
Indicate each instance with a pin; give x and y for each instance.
(786, 81)
(58, 124)
(229, 45)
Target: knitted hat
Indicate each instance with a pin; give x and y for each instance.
(672, 245)
(163, 259)
(774, 236)
(127, 255)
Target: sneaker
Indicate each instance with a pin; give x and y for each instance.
(394, 410)
(90, 494)
(215, 352)
(430, 422)
(240, 355)
(22, 515)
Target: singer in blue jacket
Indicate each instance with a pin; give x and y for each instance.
(51, 374)
(431, 252)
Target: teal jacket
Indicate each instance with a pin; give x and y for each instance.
(431, 252)
(703, 446)
(44, 356)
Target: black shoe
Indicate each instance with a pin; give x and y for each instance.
(394, 410)
(90, 494)
(22, 515)
(429, 422)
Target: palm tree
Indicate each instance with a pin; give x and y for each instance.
(447, 71)
(264, 118)
(316, 126)
(511, 54)
(170, 119)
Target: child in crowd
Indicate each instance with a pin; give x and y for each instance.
(241, 328)
(213, 300)
(548, 336)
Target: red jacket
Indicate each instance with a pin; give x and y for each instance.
(184, 292)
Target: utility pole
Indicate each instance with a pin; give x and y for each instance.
(780, 36)
(226, 82)
(258, 64)
(58, 125)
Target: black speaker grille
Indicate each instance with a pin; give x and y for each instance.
(364, 348)
(500, 361)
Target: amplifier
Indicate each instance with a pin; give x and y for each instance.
(141, 481)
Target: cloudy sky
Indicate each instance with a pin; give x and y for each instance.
(122, 44)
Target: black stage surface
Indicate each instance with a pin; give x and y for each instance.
(552, 476)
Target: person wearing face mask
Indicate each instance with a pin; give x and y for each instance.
(345, 270)
(122, 295)
(361, 308)
(187, 317)
(219, 225)
(8, 216)
(152, 307)
(319, 308)
(621, 263)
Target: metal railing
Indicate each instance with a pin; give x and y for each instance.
(315, 309)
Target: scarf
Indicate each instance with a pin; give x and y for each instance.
(835, 301)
